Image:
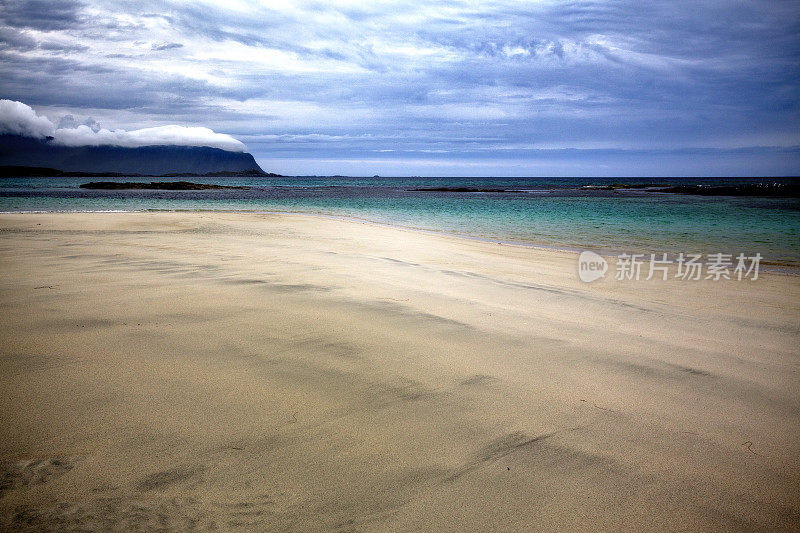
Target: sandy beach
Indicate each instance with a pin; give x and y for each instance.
(246, 372)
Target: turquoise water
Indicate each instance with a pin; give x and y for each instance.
(540, 211)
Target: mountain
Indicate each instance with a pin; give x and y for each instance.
(16, 150)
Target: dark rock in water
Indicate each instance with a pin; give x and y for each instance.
(160, 185)
(110, 160)
(458, 189)
(784, 190)
(623, 186)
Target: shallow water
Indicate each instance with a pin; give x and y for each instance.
(543, 211)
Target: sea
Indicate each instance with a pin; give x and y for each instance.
(562, 213)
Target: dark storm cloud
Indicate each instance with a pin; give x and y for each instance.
(81, 85)
(45, 15)
(12, 39)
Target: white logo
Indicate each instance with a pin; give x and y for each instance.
(591, 266)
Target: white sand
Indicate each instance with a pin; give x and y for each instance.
(288, 372)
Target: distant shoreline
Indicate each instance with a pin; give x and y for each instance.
(155, 185)
(755, 189)
(22, 171)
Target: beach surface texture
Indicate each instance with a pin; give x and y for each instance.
(249, 372)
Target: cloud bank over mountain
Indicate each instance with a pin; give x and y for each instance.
(17, 118)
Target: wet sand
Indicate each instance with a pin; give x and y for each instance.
(286, 372)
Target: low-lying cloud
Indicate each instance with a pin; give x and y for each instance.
(83, 135)
(17, 118)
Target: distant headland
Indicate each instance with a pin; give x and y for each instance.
(28, 156)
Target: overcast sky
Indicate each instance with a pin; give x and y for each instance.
(429, 88)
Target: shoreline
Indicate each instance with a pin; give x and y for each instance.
(775, 267)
